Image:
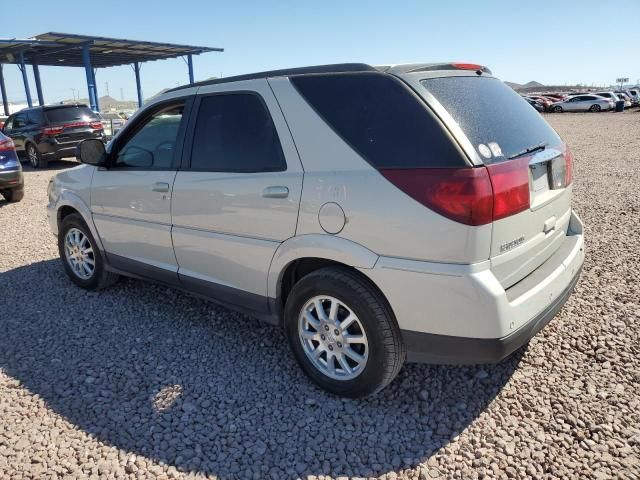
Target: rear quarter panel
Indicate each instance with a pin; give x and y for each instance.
(378, 215)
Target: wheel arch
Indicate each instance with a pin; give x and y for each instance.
(69, 203)
(304, 254)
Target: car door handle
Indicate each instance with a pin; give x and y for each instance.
(160, 187)
(275, 192)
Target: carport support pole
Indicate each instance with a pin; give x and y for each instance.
(25, 80)
(95, 89)
(3, 90)
(88, 70)
(36, 75)
(136, 70)
(190, 65)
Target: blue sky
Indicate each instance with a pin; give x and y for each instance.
(554, 42)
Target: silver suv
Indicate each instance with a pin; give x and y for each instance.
(412, 212)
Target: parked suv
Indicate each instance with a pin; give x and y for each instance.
(419, 212)
(52, 132)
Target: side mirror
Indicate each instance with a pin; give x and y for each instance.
(91, 151)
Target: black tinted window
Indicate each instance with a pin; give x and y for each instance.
(380, 119)
(20, 120)
(35, 116)
(494, 117)
(235, 133)
(153, 145)
(70, 114)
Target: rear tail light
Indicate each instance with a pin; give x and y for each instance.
(52, 130)
(96, 125)
(467, 66)
(6, 145)
(473, 196)
(510, 182)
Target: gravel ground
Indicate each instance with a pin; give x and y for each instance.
(140, 381)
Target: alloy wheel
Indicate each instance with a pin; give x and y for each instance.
(79, 253)
(33, 156)
(333, 338)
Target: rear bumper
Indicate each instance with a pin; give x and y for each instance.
(444, 349)
(461, 314)
(11, 179)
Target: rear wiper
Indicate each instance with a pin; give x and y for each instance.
(538, 148)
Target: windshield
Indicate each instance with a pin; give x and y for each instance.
(495, 119)
(70, 114)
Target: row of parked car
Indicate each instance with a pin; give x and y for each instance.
(584, 101)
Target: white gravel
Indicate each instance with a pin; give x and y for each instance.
(140, 381)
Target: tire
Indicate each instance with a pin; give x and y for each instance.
(35, 157)
(595, 108)
(99, 277)
(382, 348)
(13, 195)
(557, 109)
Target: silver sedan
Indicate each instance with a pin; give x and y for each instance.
(582, 103)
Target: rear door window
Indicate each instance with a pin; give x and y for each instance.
(381, 119)
(235, 133)
(495, 119)
(70, 114)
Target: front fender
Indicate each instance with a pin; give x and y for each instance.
(327, 247)
(68, 198)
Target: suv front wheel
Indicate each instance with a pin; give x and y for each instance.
(82, 260)
(343, 332)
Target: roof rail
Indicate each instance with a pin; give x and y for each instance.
(333, 68)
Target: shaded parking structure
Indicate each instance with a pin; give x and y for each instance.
(71, 50)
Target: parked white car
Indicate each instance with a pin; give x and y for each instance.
(582, 103)
(415, 212)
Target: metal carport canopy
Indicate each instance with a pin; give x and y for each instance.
(72, 50)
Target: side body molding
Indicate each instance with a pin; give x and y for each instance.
(68, 198)
(327, 247)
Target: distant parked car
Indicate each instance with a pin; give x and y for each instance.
(112, 122)
(545, 101)
(583, 103)
(52, 132)
(611, 95)
(624, 97)
(635, 96)
(535, 104)
(2, 120)
(11, 179)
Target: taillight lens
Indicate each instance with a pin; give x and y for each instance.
(510, 182)
(52, 130)
(96, 125)
(6, 145)
(568, 158)
(461, 194)
(473, 196)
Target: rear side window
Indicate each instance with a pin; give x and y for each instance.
(35, 117)
(70, 114)
(493, 116)
(235, 133)
(379, 117)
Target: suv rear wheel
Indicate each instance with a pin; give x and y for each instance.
(35, 157)
(82, 260)
(343, 332)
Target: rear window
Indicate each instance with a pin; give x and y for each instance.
(70, 114)
(380, 119)
(494, 118)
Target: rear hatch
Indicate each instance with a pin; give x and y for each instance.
(515, 144)
(71, 124)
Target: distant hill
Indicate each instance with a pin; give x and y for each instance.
(519, 86)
